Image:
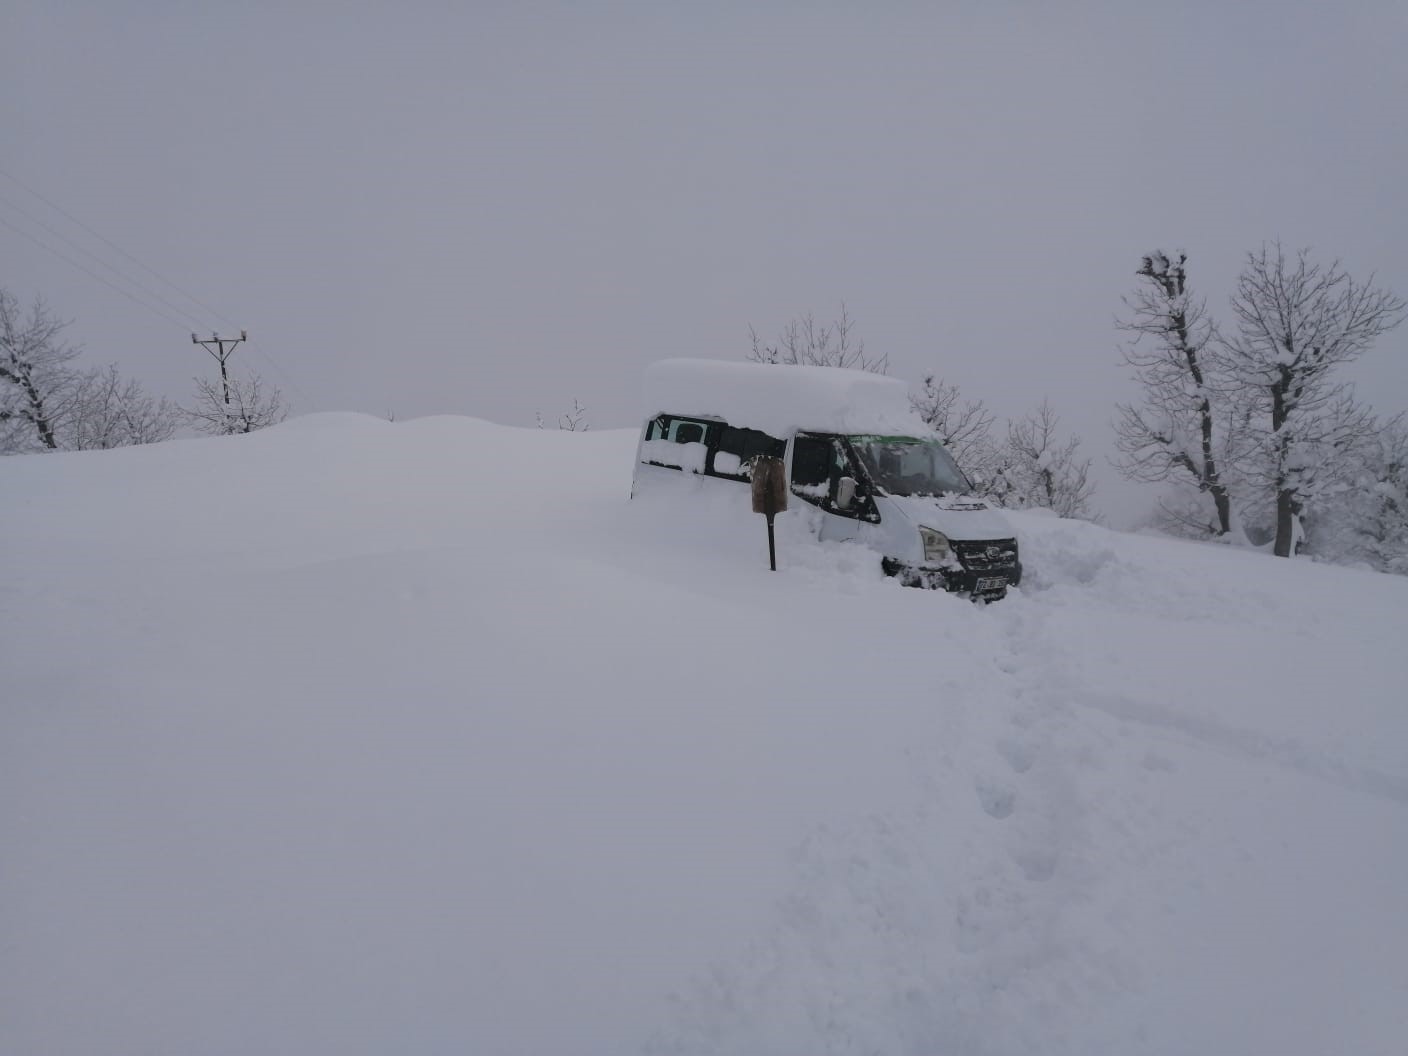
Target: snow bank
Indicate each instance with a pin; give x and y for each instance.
(780, 399)
(420, 737)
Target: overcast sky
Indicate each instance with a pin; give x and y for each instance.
(491, 209)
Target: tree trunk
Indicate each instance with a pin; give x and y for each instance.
(1223, 503)
(38, 414)
(1285, 521)
(1286, 500)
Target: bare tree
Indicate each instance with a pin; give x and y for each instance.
(109, 411)
(1179, 429)
(1297, 323)
(251, 405)
(1039, 468)
(36, 381)
(805, 342)
(574, 421)
(964, 427)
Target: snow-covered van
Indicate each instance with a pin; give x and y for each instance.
(860, 463)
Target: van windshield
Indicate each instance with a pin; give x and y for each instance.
(903, 465)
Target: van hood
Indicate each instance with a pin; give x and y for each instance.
(960, 517)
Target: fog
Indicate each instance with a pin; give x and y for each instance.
(493, 209)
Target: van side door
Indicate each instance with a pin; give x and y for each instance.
(819, 462)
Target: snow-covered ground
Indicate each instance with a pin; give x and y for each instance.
(360, 737)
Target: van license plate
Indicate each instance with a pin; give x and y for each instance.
(988, 583)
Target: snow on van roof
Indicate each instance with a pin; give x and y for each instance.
(780, 399)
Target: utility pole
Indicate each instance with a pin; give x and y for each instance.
(221, 354)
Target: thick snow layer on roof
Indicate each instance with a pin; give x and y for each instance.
(780, 399)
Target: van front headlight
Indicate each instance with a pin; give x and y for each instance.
(936, 547)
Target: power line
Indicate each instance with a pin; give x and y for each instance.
(93, 274)
(288, 378)
(114, 246)
(99, 260)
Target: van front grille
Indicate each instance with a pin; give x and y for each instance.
(987, 554)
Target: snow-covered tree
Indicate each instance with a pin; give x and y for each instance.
(964, 426)
(107, 410)
(1366, 521)
(1185, 422)
(805, 342)
(37, 380)
(246, 405)
(47, 404)
(1038, 467)
(1297, 322)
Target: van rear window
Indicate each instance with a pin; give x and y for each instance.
(679, 430)
(678, 443)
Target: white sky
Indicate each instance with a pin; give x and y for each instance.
(489, 209)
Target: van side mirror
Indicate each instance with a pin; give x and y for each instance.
(845, 493)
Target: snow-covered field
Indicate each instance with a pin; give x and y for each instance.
(360, 737)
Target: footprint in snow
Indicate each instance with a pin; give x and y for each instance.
(997, 799)
(1037, 863)
(1019, 754)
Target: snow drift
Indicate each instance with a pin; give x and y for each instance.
(359, 737)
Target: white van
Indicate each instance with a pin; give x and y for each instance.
(866, 467)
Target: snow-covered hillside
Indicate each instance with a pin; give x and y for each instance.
(359, 737)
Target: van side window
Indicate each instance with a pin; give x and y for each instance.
(812, 459)
(737, 447)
